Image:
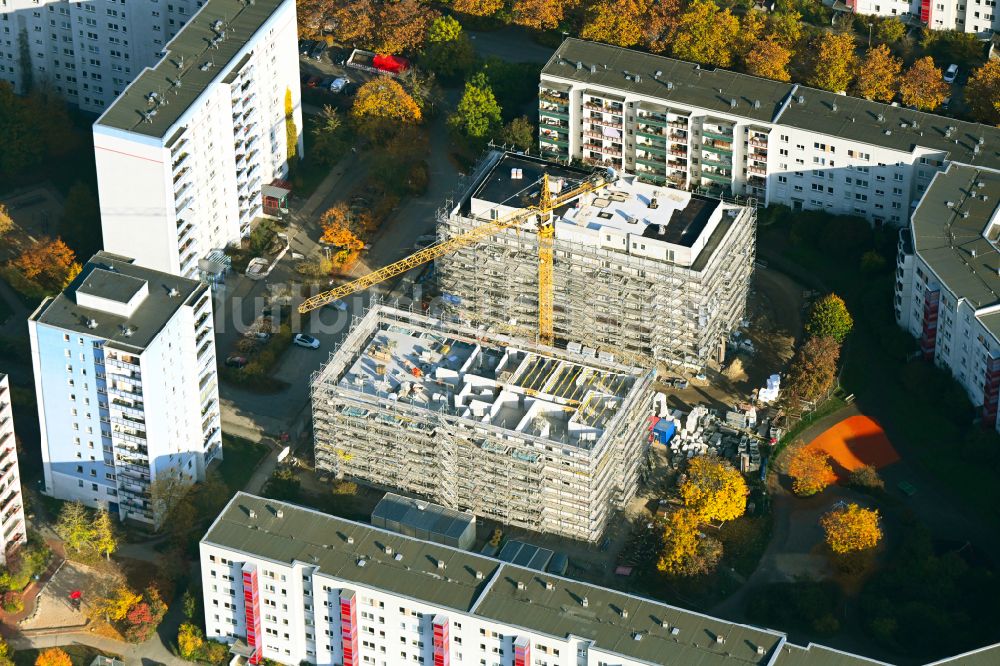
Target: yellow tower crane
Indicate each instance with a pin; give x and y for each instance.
(547, 202)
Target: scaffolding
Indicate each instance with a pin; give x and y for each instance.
(631, 306)
(523, 434)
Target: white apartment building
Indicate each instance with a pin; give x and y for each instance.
(532, 436)
(126, 384)
(979, 17)
(185, 151)
(12, 528)
(87, 51)
(701, 128)
(294, 585)
(948, 280)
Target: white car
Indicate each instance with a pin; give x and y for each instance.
(950, 73)
(307, 341)
(338, 84)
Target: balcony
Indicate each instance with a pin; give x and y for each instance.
(552, 113)
(604, 123)
(656, 164)
(722, 135)
(758, 143)
(651, 120)
(554, 99)
(656, 136)
(650, 177)
(180, 161)
(719, 147)
(649, 148)
(553, 140)
(717, 177)
(761, 171)
(607, 150)
(603, 108)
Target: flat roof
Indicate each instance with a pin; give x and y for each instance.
(758, 99)
(507, 593)
(187, 55)
(431, 366)
(499, 186)
(422, 515)
(119, 275)
(950, 235)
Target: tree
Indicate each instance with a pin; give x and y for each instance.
(49, 263)
(706, 34)
(354, 21)
(851, 528)
(982, 93)
(190, 640)
(327, 143)
(810, 470)
(890, 30)
(6, 654)
(423, 88)
(291, 131)
(834, 62)
(105, 537)
(878, 76)
(867, 477)
(448, 51)
(478, 7)
(283, 485)
(478, 113)
(53, 657)
(786, 28)
(402, 26)
(381, 106)
(686, 552)
(167, 491)
(74, 526)
(116, 606)
(922, 86)
(769, 59)
(6, 221)
(829, 318)
(539, 14)
(339, 224)
(714, 489)
(660, 22)
(752, 28)
(519, 133)
(618, 22)
(813, 370)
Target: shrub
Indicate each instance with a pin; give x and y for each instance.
(12, 602)
(867, 477)
(810, 471)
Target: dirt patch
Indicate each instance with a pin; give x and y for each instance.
(54, 608)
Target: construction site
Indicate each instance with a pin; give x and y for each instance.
(527, 435)
(646, 272)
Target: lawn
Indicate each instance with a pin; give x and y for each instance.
(81, 655)
(241, 457)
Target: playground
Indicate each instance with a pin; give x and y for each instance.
(855, 442)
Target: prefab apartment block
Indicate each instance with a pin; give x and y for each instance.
(525, 435)
(641, 271)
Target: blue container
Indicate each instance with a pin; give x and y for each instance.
(664, 431)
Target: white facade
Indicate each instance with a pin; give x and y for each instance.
(323, 590)
(86, 51)
(12, 528)
(673, 122)
(979, 17)
(183, 154)
(947, 284)
(126, 383)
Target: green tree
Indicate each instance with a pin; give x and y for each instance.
(291, 131)
(829, 318)
(74, 527)
(6, 221)
(327, 136)
(190, 641)
(519, 133)
(448, 50)
(189, 604)
(890, 30)
(283, 485)
(785, 28)
(6, 654)
(706, 34)
(834, 62)
(105, 537)
(478, 113)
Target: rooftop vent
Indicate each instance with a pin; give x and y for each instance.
(801, 99)
(127, 331)
(520, 585)
(756, 104)
(479, 575)
(279, 514)
(637, 636)
(585, 602)
(833, 107)
(173, 293)
(362, 561)
(732, 104)
(350, 539)
(440, 564)
(665, 624)
(720, 639)
(388, 550)
(253, 514)
(624, 614)
(670, 85)
(593, 69)
(761, 649)
(92, 323)
(579, 65)
(549, 585)
(981, 141)
(880, 118)
(675, 631)
(888, 132)
(653, 203)
(658, 74)
(949, 204)
(398, 557)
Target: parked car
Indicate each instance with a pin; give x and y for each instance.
(679, 383)
(317, 51)
(339, 84)
(263, 336)
(337, 305)
(313, 81)
(306, 46)
(307, 341)
(236, 361)
(951, 73)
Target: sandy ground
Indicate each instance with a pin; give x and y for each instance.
(54, 608)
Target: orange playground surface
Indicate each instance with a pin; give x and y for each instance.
(855, 442)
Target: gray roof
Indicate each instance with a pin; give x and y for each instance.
(186, 54)
(818, 655)
(423, 516)
(116, 278)
(760, 99)
(985, 656)
(316, 538)
(952, 243)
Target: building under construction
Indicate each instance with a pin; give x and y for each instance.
(640, 270)
(530, 436)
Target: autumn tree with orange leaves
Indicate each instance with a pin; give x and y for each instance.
(769, 59)
(478, 7)
(381, 106)
(922, 86)
(340, 227)
(540, 14)
(49, 265)
(851, 528)
(878, 76)
(810, 470)
(53, 657)
(618, 22)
